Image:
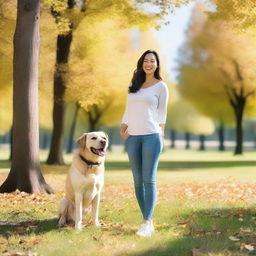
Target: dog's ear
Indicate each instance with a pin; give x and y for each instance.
(81, 141)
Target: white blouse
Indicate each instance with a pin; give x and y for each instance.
(146, 109)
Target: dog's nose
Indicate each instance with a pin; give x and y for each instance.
(103, 143)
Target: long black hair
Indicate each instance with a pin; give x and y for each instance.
(139, 75)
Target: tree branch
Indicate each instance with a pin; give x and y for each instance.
(238, 71)
(230, 95)
(250, 93)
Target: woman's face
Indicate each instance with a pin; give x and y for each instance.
(149, 64)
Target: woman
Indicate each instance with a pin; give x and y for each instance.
(142, 129)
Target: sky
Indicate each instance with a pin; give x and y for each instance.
(171, 37)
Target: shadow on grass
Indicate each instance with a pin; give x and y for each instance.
(163, 165)
(208, 231)
(178, 165)
(28, 227)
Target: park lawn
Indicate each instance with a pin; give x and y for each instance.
(205, 207)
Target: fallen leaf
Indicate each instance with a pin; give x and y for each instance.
(195, 252)
(233, 238)
(182, 222)
(249, 247)
(245, 230)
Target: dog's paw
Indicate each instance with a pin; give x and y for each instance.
(79, 226)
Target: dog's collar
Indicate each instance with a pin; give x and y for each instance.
(90, 163)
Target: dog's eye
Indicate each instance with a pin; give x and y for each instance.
(104, 138)
(94, 138)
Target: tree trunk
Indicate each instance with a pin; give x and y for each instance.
(221, 137)
(239, 136)
(25, 173)
(202, 144)
(173, 138)
(11, 143)
(63, 49)
(94, 115)
(239, 129)
(61, 67)
(72, 130)
(239, 110)
(92, 126)
(187, 139)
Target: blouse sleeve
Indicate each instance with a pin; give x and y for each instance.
(125, 116)
(162, 105)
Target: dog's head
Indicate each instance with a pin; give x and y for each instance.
(93, 144)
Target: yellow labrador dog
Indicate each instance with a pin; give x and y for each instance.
(85, 179)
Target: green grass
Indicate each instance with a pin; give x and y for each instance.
(204, 199)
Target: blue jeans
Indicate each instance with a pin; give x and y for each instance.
(143, 152)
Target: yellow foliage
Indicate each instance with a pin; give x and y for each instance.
(240, 14)
(56, 5)
(48, 32)
(69, 17)
(100, 62)
(7, 21)
(5, 109)
(210, 61)
(5, 93)
(183, 116)
(101, 65)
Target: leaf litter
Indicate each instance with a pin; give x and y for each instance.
(223, 191)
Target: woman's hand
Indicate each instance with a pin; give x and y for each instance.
(162, 129)
(123, 131)
(124, 135)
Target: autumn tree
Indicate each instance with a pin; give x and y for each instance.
(97, 80)
(216, 73)
(63, 42)
(68, 15)
(25, 173)
(48, 33)
(238, 13)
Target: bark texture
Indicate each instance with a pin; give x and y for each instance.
(25, 173)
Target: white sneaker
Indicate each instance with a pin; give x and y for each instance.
(145, 230)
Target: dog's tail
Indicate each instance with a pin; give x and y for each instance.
(66, 211)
